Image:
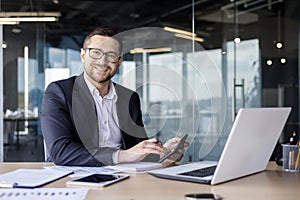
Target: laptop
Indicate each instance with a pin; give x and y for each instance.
(248, 149)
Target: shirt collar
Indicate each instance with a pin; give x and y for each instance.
(112, 94)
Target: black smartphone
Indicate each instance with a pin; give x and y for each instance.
(202, 196)
(98, 180)
(180, 145)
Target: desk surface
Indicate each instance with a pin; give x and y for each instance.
(272, 184)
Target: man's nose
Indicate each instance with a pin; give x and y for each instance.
(102, 59)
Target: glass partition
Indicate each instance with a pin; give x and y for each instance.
(23, 87)
(244, 54)
(1, 94)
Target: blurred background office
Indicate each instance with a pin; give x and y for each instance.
(194, 64)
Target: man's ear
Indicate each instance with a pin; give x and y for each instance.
(82, 55)
(120, 61)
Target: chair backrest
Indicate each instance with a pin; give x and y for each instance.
(45, 151)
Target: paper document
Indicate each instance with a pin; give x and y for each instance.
(136, 166)
(30, 178)
(44, 194)
(83, 171)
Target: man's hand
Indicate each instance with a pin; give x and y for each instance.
(170, 145)
(141, 150)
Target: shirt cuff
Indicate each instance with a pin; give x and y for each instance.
(115, 157)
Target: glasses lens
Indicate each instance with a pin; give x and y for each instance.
(111, 57)
(96, 53)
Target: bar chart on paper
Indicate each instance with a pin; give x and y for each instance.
(44, 193)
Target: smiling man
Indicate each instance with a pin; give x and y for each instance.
(88, 120)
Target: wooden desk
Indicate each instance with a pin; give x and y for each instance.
(273, 184)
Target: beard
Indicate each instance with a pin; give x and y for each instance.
(105, 79)
(101, 77)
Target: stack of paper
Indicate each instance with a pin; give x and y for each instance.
(136, 166)
(83, 171)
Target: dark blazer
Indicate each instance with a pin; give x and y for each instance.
(70, 128)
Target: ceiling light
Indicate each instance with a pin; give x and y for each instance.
(198, 39)
(30, 14)
(279, 45)
(28, 19)
(175, 30)
(4, 45)
(16, 30)
(10, 17)
(283, 60)
(134, 15)
(9, 23)
(153, 50)
(237, 40)
(269, 62)
(184, 34)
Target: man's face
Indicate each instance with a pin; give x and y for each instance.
(100, 70)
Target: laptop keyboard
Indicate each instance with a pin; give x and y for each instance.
(208, 171)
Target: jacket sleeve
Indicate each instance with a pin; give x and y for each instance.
(135, 128)
(130, 117)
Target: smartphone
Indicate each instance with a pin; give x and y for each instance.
(202, 196)
(97, 180)
(180, 145)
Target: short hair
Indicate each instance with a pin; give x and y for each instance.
(104, 31)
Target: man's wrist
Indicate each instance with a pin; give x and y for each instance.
(122, 156)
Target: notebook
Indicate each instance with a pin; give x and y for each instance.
(136, 166)
(30, 178)
(248, 149)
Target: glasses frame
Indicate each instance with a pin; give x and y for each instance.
(103, 54)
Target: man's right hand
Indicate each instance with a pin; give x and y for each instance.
(141, 150)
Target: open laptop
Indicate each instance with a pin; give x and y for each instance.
(248, 149)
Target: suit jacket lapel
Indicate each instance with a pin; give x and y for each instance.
(84, 113)
(122, 109)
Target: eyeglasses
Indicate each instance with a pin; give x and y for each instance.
(98, 54)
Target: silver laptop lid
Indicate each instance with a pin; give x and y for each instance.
(247, 150)
(250, 143)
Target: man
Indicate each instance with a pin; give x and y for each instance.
(88, 120)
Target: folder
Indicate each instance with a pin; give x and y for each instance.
(30, 178)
